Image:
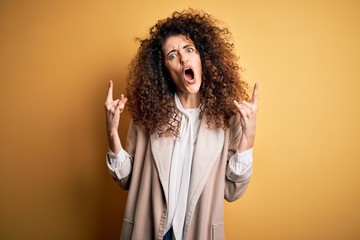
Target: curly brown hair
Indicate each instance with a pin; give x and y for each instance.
(151, 92)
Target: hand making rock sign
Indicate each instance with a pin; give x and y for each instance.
(248, 112)
(113, 108)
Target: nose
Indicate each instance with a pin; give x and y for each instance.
(183, 61)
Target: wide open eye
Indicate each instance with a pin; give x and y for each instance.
(190, 49)
(171, 56)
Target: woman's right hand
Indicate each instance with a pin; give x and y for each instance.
(113, 108)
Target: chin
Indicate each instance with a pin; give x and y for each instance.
(194, 90)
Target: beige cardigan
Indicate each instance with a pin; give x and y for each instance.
(211, 181)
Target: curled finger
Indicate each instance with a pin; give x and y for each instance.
(247, 104)
(245, 111)
(112, 110)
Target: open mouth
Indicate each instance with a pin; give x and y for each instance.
(189, 75)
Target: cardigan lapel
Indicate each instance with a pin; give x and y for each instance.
(208, 148)
(162, 150)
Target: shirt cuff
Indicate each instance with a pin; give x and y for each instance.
(240, 164)
(120, 164)
(116, 160)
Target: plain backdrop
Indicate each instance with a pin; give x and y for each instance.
(56, 58)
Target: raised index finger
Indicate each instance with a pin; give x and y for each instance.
(255, 94)
(109, 97)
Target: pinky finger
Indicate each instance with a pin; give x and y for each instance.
(237, 104)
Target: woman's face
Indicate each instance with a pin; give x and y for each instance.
(183, 63)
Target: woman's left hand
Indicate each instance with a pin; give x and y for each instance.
(248, 112)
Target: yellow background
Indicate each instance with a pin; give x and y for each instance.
(56, 58)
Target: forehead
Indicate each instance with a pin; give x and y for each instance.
(176, 41)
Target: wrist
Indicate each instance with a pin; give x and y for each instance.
(240, 150)
(244, 147)
(112, 132)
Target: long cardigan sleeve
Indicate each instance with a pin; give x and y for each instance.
(235, 184)
(122, 175)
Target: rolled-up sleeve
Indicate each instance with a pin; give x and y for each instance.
(240, 166)
(119, 165)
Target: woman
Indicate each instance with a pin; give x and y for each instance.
(190, 141)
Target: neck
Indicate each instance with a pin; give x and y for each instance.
(189, 100)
